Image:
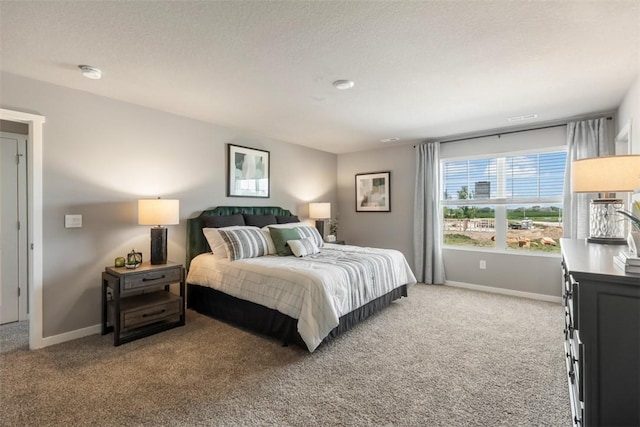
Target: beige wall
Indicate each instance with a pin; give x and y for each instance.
(102, 155)
(378, 229)
(629, 111)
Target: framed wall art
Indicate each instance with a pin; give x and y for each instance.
(247, 172)
(373, 192)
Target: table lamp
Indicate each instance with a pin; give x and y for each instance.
(320, 212)
(158, 212)
(606, 175)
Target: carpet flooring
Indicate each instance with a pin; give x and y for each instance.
(441, 357)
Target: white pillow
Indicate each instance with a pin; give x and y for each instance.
(218, 246)
(303, 247)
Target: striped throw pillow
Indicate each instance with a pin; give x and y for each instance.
(311, 233)
(245, 243)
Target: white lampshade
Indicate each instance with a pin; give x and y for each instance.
(610, 174)
(320, 210)
(158, 212)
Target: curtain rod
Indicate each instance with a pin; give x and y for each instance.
(506, 132)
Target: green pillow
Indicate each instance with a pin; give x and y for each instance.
(280, 237)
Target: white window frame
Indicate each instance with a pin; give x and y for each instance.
(499, 204)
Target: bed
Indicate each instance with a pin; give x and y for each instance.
(305, 300)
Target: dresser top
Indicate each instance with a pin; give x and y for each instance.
(584, 259)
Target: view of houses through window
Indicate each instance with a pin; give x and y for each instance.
(507, 202)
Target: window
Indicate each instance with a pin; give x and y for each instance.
(509, 201)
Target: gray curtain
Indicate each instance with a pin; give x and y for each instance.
(427, 215)
(587, 138)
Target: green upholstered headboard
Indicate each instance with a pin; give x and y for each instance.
(197, 244)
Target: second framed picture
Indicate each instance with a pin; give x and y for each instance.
(373, 192)
(247, 172)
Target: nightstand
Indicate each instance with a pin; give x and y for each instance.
(138, 302)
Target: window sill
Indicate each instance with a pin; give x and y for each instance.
(503, 252)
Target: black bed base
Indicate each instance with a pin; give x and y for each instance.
(270, 322)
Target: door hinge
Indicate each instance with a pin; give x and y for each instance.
(18, 158)
(18, 291)
(18, 225)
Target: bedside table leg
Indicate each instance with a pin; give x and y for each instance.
(104, 305)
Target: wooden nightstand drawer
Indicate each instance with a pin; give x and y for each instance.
(151, 278)
(145, 309)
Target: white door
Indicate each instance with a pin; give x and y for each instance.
(13, 228)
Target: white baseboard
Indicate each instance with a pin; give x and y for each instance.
(71, 335)
(530, 295)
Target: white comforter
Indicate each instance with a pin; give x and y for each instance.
(316, 289)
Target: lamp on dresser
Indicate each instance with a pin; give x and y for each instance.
(158, 212)
(607, 176)
(320, 212)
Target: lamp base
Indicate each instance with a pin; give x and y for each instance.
(158, 245)
(607, 240)
(604, 224)
(320, 227)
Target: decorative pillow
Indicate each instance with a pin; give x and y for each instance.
(280, 238)
(286, 225)
(217, 244)
(219, 221)
(312, 233)
(259, 220)
(244, 243)
(303, 247)
(288, 219)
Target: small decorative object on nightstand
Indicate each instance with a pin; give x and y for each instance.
(134, 259)
(138, 303)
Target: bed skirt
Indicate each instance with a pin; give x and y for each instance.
(263, 320)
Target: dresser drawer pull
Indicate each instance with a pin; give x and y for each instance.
(155, 313)
(150, 279)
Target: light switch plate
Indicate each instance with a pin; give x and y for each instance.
(73, 221)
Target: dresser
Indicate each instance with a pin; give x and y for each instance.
(602, 335)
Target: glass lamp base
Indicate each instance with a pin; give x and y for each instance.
(604, 224)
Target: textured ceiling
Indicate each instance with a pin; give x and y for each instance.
(421, 69)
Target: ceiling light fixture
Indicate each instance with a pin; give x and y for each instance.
(526, 117)
(393, 139)
(343, 84)
(90, 72)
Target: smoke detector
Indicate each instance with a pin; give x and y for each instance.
(343, 84)
(90, 72)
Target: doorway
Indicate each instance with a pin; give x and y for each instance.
(34, 150)
(13, 225)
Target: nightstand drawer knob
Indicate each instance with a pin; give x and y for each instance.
(155, 313)
(151, 279)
